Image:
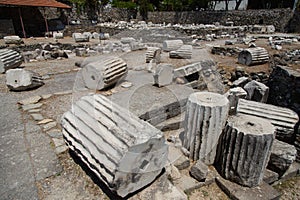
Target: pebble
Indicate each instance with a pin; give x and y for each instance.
(34, 111)
(61, 149)
(55, 133)
(58, 141)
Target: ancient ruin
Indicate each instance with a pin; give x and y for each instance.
(150, 99)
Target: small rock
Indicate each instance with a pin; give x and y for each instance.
(173, 172)
(199, 170)
(30, 100)
(46, 96)
(282, 156)
(126, 85)
(37, 117)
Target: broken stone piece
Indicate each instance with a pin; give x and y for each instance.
(204, 120)
(30, 100)
(253, 56)
(199, 171)
(163, 75)
(12, 39)
(282, 156)
(123, 151)
(283, 119)
(233, 95)
(9, 59)
(78, 37)
(257, 91)
(153, 53)
(37, 117)
(244, 149)
(22, 79)
(104, 73)
(172, 45)
(184, 52)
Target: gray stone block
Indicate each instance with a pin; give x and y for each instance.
(199, 170)
(282, 156)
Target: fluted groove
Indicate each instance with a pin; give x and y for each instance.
(244, 149)
(252, 56)
(204, 120)
(126, 153)
(9, 59)
(104, 73)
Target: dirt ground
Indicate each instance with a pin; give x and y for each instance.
(76, 183)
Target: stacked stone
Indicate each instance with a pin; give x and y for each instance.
(172, 45)
(153, 53)
(253, 56)
(244, 149)
(104, 73)
(204, 120)
(123, 151)
(21, 79)
(9, 59)
(184, 52)
(283, 119)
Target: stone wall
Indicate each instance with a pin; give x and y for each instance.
(278, 17)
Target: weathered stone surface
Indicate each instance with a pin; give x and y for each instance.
(153, 53)
(282, 156)
(292, 171)
(283, 119)
(12, 39)
(30, 100)
(127, 40)
(31, 106)
(233, 95)
(184, 52)
(160, 189)
(21, 79)
(37, 117)
(270, 176)
(237, 192)
(9, 59)
(104, 73)
(253, 56)
(211, 77)
(205, 118)
(284, 84)
(244, 149)
(240, 82)
(58, 35)
(199, 170)
(163, 75)
(78, 37)
(172, 45)
(49, 126)
(176, 157)
(257, 91)
(129, 152)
